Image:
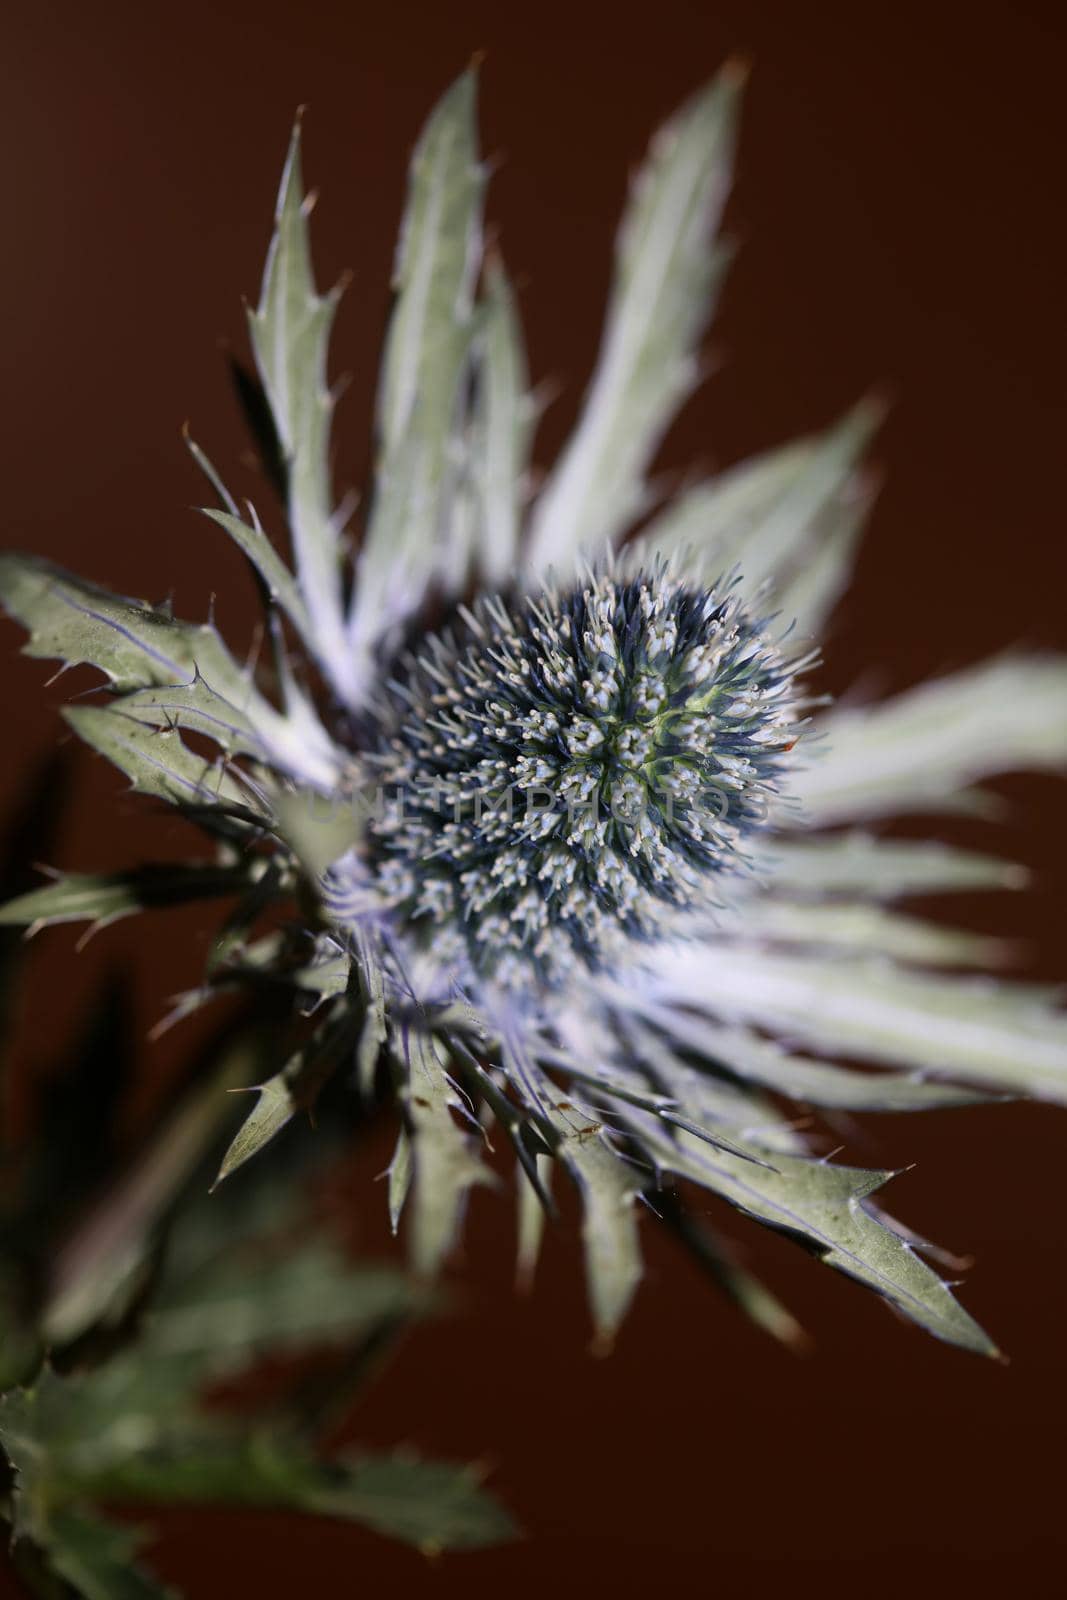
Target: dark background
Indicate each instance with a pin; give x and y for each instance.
(900, 206)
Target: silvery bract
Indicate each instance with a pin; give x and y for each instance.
(583, 861)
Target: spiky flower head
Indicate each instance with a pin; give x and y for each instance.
(558, 770)
(606, 983)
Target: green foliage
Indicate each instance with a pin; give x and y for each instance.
(125, 1294)
(136, 1432)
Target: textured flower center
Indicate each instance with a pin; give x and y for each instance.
(573, 764)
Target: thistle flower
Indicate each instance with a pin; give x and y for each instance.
(582, 858)
(637, 722)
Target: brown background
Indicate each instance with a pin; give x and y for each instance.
(900, 203)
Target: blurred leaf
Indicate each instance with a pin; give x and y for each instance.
(995, 1035)
(504, 418)
(531, 1221)
(111, 1245)
(96, 1557)
(238, 1307)
(776, 517)
(21, 1350)
(806, 592)
(372, 988)
(431, 1504)
(666, 273)
(718, 1259)
(864, 929)
(883, 869)
(399, 1174)
(915, 752)
(426, 350)
(52, 1177)
(104, 897)
(317, 828)
(700, 1096)
(765, 1062)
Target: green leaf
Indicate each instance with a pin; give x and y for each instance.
(290, 330)
(274, 1107)
(329, 974)
(104, 897)
(96, 1556)
(157, 762)
(433, 1505)
(916, 752)
(297, 746)
(883, 869)
(139, 647)
(295, 1088)
(427, 348)
(133, 644)
(609, 1226)
(76, 1440)
(444, 1164)
(665, 276)
(436, 255)
(235, 1309)
(995, 1035)
(827, 1208)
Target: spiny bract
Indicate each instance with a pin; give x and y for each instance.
(557, 770)
(674, 1059)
